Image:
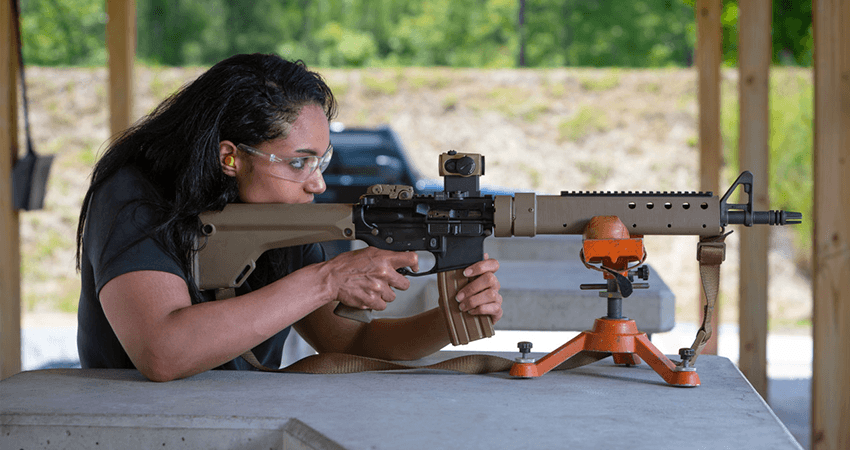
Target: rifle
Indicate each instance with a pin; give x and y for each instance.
(452, 225)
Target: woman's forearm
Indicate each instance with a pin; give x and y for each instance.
(167, 337)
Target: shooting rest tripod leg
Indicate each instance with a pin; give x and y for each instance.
(622, 337)
(662, 365)
(617, 336)
(550, 361)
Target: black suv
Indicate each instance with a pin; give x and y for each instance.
(364, 157)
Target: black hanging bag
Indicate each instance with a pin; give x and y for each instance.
(29, 176)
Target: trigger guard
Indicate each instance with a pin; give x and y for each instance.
(409, 273)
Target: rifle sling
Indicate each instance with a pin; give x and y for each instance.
(476, 364)
(711, 252)
(340, 363)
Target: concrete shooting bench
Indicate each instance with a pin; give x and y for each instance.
(595, 406)
(600, 405)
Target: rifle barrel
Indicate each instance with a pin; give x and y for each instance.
(772, 217)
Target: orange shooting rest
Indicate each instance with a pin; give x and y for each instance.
(607, 242)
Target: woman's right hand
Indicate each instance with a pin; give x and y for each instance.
(364, 278)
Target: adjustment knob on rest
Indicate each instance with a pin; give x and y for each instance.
(524, 349)
(686, 354)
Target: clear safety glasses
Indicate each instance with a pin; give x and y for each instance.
(297, 168)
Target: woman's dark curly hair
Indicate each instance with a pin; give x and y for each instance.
(244, 99)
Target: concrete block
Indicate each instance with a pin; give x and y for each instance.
(545, 296)
(538, 248)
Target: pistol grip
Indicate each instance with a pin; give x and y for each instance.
(360, 315)
(463, 327)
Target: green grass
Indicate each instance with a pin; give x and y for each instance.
(428, 80)
(69, 299)
(610, 80)
(506, 98)
(586, 121)
(45, 246)
(533, 174)
(450, 102)
(383, 82)
(597, 172)
(649, 88)
(162, 85)
(512, 102)
(556, 89)
(339, 88)
(790, 142)
(531, 113)
(88, 155)
(48, 243)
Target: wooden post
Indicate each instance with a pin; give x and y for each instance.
(831, 327)
(121, 44)
(10, 256)
(708, 55)
(754, 54)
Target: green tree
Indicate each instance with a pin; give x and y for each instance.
(793, 38)
(476, 33)
(605, 33)
(180, 32)
(791, 32)
(63, 32)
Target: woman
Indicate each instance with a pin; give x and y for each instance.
(210, 144)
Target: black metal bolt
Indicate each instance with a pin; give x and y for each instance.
(524, 348)
(686, 354)
(643, 272)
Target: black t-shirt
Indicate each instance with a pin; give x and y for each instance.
(116, 241)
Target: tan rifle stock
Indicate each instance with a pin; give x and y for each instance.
(235, 237)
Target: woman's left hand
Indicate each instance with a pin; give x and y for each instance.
(481, 296)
